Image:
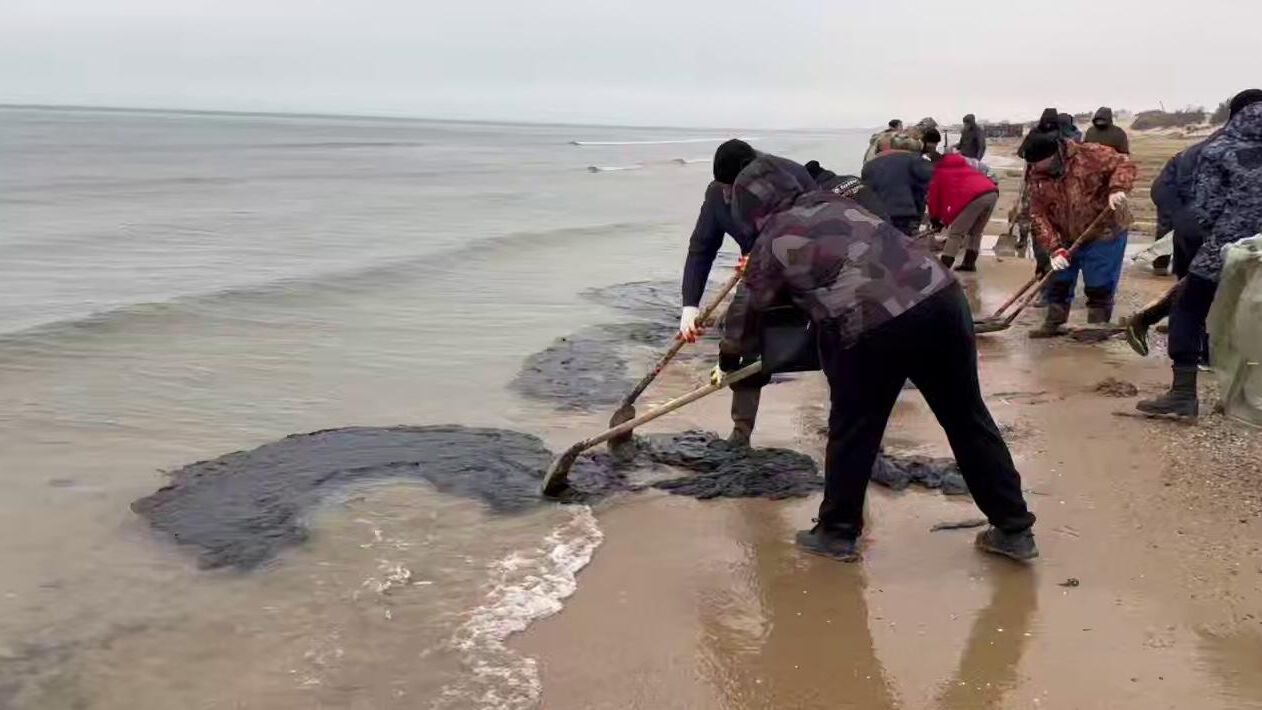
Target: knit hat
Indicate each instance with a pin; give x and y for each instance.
(813, 168)
(1041, 146)
(1245, 98)
(730, 158)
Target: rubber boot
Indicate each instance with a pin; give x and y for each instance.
(744, 415)
(969, 263)
(1099, 305)
(1099, 314)
(947, 261)
(1057, 316)
(1180, 402)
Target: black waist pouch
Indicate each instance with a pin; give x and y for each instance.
(789, 342)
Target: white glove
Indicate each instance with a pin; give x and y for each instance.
(688, 329)
(1117, 200)
(1060, 260)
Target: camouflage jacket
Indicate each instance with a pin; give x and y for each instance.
(1062, 207)
(833, 259)
(1228, 200)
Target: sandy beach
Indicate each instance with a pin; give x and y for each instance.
(1148, 593)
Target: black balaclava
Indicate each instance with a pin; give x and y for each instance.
(730, 158)
(1248, 97)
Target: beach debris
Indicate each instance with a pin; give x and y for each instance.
(960, 524)
(241, 509)
(1113, 387)
(1071, 582)
(900, 472)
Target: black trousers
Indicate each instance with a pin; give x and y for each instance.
(1187, 320)
(934, 346)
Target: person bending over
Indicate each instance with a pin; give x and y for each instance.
(878, 299)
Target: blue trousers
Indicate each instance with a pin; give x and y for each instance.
(1100, 263)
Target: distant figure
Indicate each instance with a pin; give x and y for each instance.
(962, 199)
(1070, 185)
(1068, 129)
(929, 143)
(912, 139)
(1103, 131)
(1228, 205)
(972, 139)
(901, 179)
(1049, 122)
(895, 126)
(847, 186)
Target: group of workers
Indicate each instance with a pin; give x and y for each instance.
(848, 251)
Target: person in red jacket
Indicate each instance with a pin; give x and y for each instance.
(962, 199)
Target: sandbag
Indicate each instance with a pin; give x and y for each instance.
(1235, 330)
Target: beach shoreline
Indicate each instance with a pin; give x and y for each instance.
(1148, 594)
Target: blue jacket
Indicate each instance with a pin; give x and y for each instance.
(1228, 199)
(901, 180)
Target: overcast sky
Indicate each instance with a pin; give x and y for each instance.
(775, 63)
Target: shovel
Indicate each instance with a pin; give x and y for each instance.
(997, 322)
(626, 410)
(555, 481)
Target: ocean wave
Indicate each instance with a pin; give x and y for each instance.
(352, 279)
(689, 161)
(669, 141)
(525, 586)
(612, 168)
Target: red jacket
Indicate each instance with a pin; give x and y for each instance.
(955, 184)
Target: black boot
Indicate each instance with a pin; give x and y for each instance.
(819, 541)
(969, 263)
(1017, 546)
(947, 261)
(1180, 402)
(1099, 305)
(1099, 314)
(1057, 315)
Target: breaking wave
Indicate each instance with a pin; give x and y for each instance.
(525, 586)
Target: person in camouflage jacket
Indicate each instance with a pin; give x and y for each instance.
(878, 301)
(1070, 185)
(1228, 205)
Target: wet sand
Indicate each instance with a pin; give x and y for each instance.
(708, 605)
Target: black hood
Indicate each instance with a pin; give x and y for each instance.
(768, 185)
(1050, 120)
(1103, 115)
(970, 120)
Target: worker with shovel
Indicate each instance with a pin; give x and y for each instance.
(1070, 185)
(877, 299)
(714, 221)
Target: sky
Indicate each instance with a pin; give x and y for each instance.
(771, 64)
